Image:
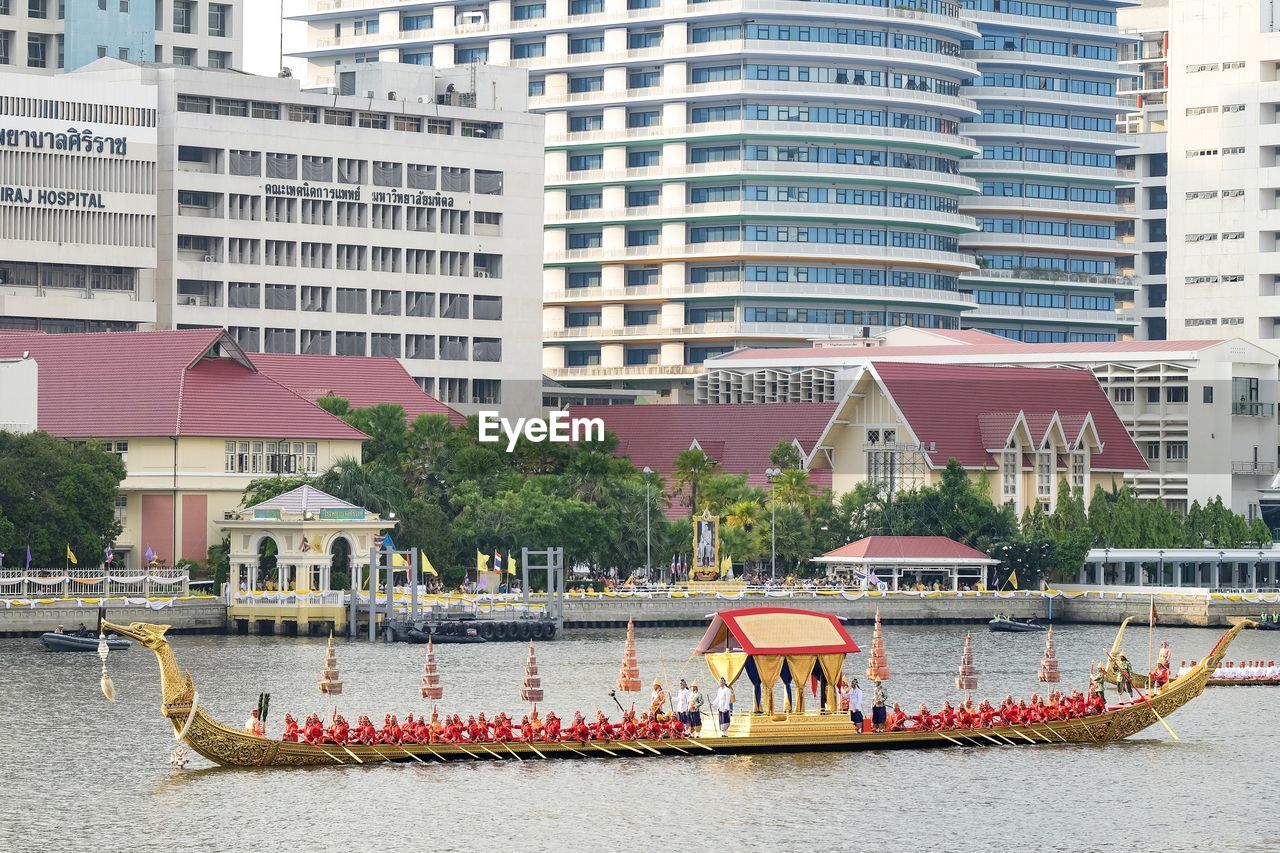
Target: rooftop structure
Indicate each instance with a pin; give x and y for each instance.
(894, 562)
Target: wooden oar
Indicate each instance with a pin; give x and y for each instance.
(352, 754)
(1023, 735)
(328, 753)
(677, 749)
(490, 751)
(945, 735)
(576, 752)
(993, 740)
(629, 746)
(646, 746)
(697, 743)
(464, 749)
(513, 752)
(412, 755)
(437, 756)
(529, 743)
(602, 749)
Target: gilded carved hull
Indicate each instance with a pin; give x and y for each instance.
(747, 734)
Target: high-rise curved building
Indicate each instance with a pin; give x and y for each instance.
(1053, 264)
(718, 174)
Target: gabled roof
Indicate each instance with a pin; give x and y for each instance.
(956, 410)
(189, 382)
(738, 436)
(927, 548)
(777, 631)
(302, 499)
(362, 381)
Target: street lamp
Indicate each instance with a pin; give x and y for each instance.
(648, 557)
(772, 475)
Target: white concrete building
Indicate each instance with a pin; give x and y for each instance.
(50, 36)
(1202, 412)
(393, 223)
(1224, 183)
(1053, 253)
(1146, 125)
(19, 404)
(78, 229)
(718, 174)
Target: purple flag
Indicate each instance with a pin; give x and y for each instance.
(28, 555)
(149, 555)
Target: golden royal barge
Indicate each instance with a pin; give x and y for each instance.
(759, 641)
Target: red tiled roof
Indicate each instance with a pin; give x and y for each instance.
(361, 381)
(738, 436)
(907, 547)
(777, 631)
(955, 408)
(986, 345)
(165, 383)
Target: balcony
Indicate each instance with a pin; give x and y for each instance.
(1035, 131)
(1019, 168)
(1253, 469)
(1253, 408)
(769, 211)
(620, 372)
(960, 184)
(1035, 274)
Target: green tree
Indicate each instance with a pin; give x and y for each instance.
(377, 489)
(338, 406)
(265, 488)
(692, 467)
(388, 433)
(56, 494)
(786, 455)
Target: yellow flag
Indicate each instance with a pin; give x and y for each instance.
(511, 565)
(482, 562)
(726, 566)
(71, 556)
(398, 559)
(1013, 579)
(427, 568)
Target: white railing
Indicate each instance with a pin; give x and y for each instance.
(92, 583)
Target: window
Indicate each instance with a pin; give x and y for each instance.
(37, 49)
(182, 14)
(591, 83)
(643, 39)
(585, 7)
(1175, 394)
(1153, 451)
(586, 44)
(1010, 468)
(219, 19)
(1079, 469)
(529, 11)
(1153, 395)
(1122, 395)
(1175, 451)
(219, 59)
(1208, 393)
(642, 236)
(37, 8)
(184, 56)
(641, 159)
(585, 123)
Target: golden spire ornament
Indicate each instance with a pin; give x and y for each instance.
(330, 684)
(877, 665)
(430, 688)
(967, 679)
(1049, 664)
(629, 676)
(531, 687)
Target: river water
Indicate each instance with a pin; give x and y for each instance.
(84, 774)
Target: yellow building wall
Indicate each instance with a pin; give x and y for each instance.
(199, 470)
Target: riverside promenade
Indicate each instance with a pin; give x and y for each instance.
(671, 608)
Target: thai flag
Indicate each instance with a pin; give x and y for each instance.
(497, 561)
(675, 565)
(109, 556)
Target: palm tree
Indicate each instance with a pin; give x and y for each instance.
(692, 467)
(373, 487)
(792, 488)
(742, 514)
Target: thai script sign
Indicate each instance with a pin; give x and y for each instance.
(305, 190)
(342, 514)
(422, 199)
(85, 141)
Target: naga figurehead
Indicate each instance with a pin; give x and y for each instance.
(176, 688)
(149, 635)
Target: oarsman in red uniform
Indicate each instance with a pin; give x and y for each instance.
(453, 731)
(473, 730)
(502, 728)
(602, 729)
(629, 731)
(897, 719)
(290, 729)
(986, 714)
(946, 716)
(409, 729)
(924, 721)
(675, 728)
(313, 732)
(485, 727)
(339, 731)
(551, 729)
(526, 729)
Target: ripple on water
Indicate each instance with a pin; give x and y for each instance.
(86, 771)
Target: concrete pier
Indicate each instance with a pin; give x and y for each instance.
(1188, 611)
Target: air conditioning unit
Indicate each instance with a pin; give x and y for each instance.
(208, 259)
(368, 93)
(391, 96)
(228, 516)
(482, 273)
